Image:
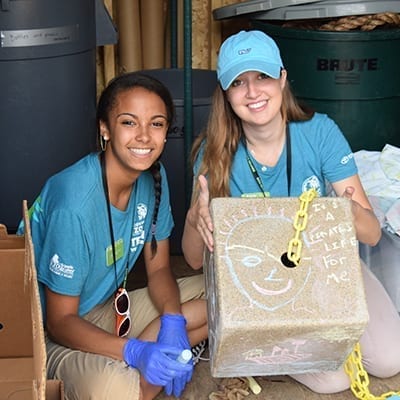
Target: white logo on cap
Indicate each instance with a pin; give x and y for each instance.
(244, 51)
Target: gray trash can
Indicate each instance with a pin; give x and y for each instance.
(48, 92)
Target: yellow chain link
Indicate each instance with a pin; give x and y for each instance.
(300, 223)
(353, 365)
(359, 378)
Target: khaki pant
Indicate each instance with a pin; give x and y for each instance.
(92, 376)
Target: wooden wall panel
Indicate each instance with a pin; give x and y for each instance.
(220, 30)
(144, 41)
(153, 18)
(201, 34)
(109, 50)
(129, 42)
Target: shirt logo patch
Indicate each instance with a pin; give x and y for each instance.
(58, 268)
(138, 234)
(346, 159)
(312, 182)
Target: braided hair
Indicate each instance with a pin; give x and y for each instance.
(155, 171)
(106, 103)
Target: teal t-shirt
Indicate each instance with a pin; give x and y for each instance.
(71, 233)
(319, 154)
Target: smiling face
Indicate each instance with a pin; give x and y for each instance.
(136, 130)
(256, 267)
(256, 98)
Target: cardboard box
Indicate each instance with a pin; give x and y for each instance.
(267, 317)
(22, 346)
(383, 261)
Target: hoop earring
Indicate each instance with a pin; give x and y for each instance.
(103, 143)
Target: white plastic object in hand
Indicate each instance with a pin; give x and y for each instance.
(185, 356)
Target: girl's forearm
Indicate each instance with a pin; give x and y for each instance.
(192, 245)
(367, 226)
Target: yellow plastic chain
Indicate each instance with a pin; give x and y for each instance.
(300, 223)
(359, 378)
(353, 365)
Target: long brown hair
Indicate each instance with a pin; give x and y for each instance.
(219, 141)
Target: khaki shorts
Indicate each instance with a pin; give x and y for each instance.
(92, 376)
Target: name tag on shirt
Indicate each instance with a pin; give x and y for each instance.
(119, 252)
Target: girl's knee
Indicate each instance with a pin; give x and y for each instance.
(383, 365)
(121, 382)
(115, 380)
(192, 287)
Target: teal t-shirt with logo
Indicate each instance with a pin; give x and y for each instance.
(319, 154)
(71, 233)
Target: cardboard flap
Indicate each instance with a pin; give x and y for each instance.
(10, 242)
(22, 346)
(39, 346)
(3, 232)
(16, 369)
(15, 294)
(54, 390)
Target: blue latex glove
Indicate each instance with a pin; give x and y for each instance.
(156, 362)
(173, 332)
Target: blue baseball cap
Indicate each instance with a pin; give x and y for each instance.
(248, 51)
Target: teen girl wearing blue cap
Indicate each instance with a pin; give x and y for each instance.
(89, 226)
(260, 142)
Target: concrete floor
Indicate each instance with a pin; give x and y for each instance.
(273, 388)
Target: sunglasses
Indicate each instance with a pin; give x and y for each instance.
(122, 312)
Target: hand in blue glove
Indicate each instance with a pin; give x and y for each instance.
(156, 362)
(173, 332)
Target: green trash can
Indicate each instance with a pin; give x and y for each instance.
(351, 76)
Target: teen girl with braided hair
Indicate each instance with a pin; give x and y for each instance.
(260, 142)
(89, 226)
